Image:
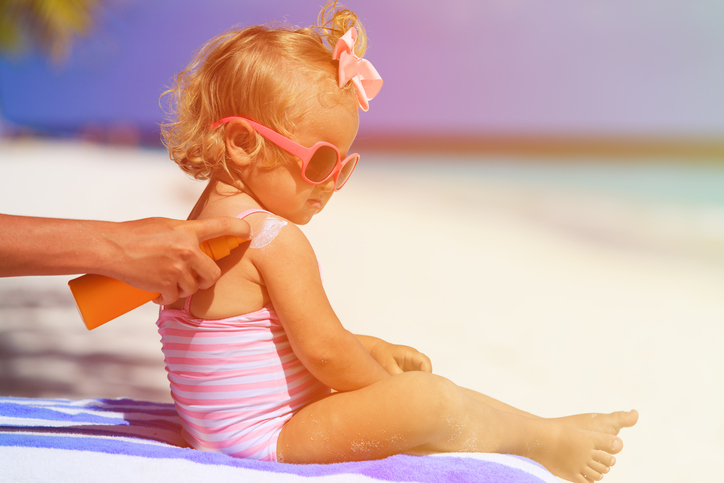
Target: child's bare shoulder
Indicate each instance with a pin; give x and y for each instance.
(266, 227)
(277, 240)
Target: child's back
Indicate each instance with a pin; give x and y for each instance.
(235, 380)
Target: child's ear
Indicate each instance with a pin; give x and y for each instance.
(239, 141)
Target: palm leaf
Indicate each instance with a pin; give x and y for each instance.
(50, 25)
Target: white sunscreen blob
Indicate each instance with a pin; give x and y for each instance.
(269, 231)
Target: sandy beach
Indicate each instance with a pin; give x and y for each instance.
(558, 298)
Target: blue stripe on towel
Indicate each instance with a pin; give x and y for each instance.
(53, 414)
(89, 411)
(103, 405)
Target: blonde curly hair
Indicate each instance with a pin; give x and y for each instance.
(271, 74)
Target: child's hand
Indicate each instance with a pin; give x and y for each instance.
(397, 359)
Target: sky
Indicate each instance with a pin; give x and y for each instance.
(571, 67)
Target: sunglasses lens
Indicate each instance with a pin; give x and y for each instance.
(322, 164)
(346, 171)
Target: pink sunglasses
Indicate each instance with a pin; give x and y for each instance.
(319, 163)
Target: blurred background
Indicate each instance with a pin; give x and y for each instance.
(540, 208)
(631, 73)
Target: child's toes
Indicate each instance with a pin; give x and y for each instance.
(604, 458)
(631, 419)
(591, 474)
(609, 443)
(599, 467)
(624, 419)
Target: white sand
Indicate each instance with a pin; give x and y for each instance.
(557, 301)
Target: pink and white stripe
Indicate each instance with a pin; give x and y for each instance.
(235, 381)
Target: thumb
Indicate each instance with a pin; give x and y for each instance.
(223, 225)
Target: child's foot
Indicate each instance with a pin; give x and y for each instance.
(603, 423)
(576, 455)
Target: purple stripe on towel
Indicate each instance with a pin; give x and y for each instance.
(395, 468)
(151, 430)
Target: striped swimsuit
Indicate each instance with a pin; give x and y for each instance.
(235, 381)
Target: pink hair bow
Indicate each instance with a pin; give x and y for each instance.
(367, 82)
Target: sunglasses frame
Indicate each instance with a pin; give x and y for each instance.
(304, 153)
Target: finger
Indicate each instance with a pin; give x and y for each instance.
(418, 362)
(168, 297)
(162, 301)
(207, 272)
(223, 225)
(425, 363)
(393, 368)
(187, 285)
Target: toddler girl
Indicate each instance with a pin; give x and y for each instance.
(259, 365)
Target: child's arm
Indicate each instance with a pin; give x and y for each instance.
(395, 358)
(330, 352)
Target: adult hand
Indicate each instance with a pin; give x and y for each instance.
(163, 255)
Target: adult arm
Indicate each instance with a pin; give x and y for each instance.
(155, 254)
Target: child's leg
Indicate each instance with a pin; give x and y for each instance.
(611, 423)
(421, 412)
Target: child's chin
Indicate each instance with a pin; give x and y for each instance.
(302, 220)
(305, 217)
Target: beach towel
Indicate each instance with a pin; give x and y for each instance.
(121, 440)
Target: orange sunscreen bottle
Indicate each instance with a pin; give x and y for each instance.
(101, 299)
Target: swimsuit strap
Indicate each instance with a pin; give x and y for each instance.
(242, 215)
(246, 213)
